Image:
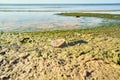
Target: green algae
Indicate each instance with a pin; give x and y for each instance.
(111, 16)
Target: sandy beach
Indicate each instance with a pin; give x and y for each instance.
(89, 54)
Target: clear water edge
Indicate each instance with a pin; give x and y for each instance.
(38, 21)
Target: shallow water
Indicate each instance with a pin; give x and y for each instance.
(37, 17)
(37, 21)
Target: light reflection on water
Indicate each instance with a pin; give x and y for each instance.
(36, 21)
(59, 7)
(102, 12)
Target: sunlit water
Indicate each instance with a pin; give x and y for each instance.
(38, 21)
(59, 7)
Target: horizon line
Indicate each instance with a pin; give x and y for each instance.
(57, 3)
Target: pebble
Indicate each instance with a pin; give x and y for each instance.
(58, 42)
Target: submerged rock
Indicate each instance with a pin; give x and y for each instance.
(77, 16)
(58, 42)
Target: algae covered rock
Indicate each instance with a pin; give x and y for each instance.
(25, 40)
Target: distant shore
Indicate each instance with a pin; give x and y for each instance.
(10, 10)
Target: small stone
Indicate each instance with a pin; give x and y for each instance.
(87, 73)
(114, 51)
(58, 42)
(117, 50)
(77, 16)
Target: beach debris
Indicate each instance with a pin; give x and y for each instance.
(58, 42)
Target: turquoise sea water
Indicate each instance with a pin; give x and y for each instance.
(18, 17)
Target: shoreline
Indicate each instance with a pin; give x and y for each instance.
(88, 54)
(110, 17)
(93, 51)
